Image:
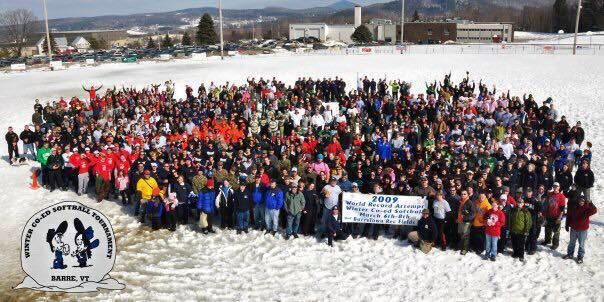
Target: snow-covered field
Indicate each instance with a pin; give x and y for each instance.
(188, 266)
(555, 38)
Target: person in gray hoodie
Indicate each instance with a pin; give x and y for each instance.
(294, 204)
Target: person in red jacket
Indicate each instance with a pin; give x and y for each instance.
(494, 220)
(82, 164)
(554, 209)
(577, 222)
(102, 171)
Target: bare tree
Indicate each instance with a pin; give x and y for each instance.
(19, 26)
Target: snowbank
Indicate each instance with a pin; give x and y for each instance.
(188, 266)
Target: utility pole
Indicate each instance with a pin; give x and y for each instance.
(402, 21)
(158, 37)
(576, 28)
(49, 49)
(221, 37)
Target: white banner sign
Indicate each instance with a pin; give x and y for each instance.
(17, 67)
(56, 65)
(382, 209)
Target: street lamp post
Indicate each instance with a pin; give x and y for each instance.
(576, 28)
(49, 49)
(221, 36)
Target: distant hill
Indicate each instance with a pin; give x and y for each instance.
(338, 12)
(342, 4)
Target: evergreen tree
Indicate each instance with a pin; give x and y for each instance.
(415, 16)
(151, 43)
(186, 39)
(205, 31)
(166, 42)
(53, 44)
(362, 35)
(98, 44)
(592, 16)
(560, 16)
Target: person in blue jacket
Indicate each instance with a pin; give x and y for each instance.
(274, 200)
(258, 198)
(205, 206)
(384, 148)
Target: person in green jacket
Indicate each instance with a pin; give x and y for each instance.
(42, 157)
(294, 204)
(520, 225)
(394, 86)
(499, 132)
(199, 181)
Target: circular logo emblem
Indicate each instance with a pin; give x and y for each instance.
(68, 246)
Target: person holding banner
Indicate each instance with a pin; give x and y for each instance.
(334, 227)
(332, 193)
(425, 234)
(441, 208)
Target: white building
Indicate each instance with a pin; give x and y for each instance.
(80, 44)
(325, 32)
(307, 30)
(61, 42)
(468, 32)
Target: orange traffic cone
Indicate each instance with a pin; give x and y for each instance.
(34, 182)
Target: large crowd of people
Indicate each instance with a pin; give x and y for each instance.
(272, 156)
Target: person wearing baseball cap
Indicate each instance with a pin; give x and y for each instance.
(425, 232)
(520, 226)
(577, 223)
(554, 209)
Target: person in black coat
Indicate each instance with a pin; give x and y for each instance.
(11, 140)
(55, 166)
(334, 227)
(224, 202)
(309, 214)
(28, 138)
(425, 233)
(243, 202)
(182, 190)
(584, 179)
(565, 178)
(536, 209)
(529, 177)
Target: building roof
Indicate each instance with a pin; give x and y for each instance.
(61, 41)
(78, 40)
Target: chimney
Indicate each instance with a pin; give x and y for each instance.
(357, 16)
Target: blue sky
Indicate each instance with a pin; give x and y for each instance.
(85, 8)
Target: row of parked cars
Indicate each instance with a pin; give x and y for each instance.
(120, 54)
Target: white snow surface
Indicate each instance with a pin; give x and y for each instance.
(596, 37)
(188, 266)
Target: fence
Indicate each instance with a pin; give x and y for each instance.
(554, 49)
